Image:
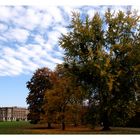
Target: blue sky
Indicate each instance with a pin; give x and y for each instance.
(29, 40)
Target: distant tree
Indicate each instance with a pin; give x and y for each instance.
(102, 53)
(41, 81)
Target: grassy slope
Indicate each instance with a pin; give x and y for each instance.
(26, 128)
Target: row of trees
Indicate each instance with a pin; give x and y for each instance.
(54, 97)
(99, 80)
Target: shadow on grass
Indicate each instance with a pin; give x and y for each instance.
(39, 127)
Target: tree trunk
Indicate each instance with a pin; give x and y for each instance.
(49, 125)
(75, 124)
(63, 122)
(63, 125)
(106, 123)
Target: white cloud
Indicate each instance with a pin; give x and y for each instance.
(61, 29)
(26, 59)
(2, 39)
(10, 66)
(91, 13)
(39, 39)
(53, 37)
(17, 34)
(5, 13)
(137, 8)
(30, 19)
(55, 13)
(46, 20)
(3, 27)
(70, 9)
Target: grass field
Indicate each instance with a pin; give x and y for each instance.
(14, 127)
(27, 128)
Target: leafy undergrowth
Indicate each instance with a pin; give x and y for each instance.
(26, 128)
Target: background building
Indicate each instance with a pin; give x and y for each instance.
(13, 113)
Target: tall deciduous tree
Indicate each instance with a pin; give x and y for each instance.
(101, 53)
(41, 81)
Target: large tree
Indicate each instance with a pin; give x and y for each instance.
(61, 103)
(41, 81)
(102, 54)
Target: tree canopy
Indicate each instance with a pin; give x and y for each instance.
(41, 81)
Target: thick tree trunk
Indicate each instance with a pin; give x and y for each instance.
(106, 123)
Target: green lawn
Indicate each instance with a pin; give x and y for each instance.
(27, 128)
(14, 127)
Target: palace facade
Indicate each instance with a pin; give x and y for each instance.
(13, 113)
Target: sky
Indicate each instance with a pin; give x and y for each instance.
(29, 40)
